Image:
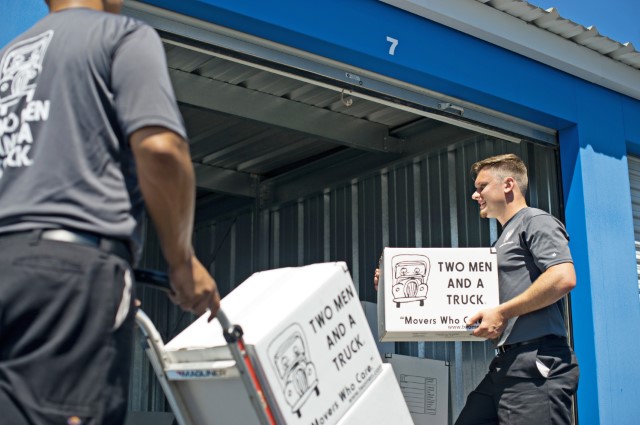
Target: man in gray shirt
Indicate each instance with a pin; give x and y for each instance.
(535, 373)
(90, 133)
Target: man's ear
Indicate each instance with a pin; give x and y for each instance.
(509, 184)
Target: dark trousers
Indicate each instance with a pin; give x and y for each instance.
(65, 333)
(527, 385)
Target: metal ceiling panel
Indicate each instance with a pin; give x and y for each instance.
(255, 132)
(184, 59)
(278, 111)
(248, 125)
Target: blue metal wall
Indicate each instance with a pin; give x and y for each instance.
(17, 16)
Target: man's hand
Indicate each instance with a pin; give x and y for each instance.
(492, 323)
(194, 288)
(376, 278)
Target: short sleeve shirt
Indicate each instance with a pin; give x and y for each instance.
(531, 242)
(73, 88)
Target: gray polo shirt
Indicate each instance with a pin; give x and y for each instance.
(73, 89)
(531, 242)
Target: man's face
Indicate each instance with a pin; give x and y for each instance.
(490, 193)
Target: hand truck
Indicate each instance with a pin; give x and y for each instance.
(196, 389)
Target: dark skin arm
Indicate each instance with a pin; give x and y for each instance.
(167, 182)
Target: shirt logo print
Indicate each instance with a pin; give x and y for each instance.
(20, 69)
(506, 240)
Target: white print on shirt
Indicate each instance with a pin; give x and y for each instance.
(506, 240)
(20, 68)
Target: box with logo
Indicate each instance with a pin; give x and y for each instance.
(307, 335)
(427, 294)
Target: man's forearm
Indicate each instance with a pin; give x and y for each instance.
(553, 284)
(166, 179)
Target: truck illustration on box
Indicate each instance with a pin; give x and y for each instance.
(292, 363)
(410, 274)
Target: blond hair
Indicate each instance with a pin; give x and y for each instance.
(507, 165)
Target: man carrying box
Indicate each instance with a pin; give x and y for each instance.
(535, 373)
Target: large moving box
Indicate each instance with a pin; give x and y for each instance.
(427, 294)
(307, 334)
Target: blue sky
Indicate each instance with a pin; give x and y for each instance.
(616, 19)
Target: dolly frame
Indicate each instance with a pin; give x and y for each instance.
(155, 350)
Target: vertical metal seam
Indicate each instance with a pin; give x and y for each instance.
(355, 244)
(276, 238)
(265, 238)
(417, 203)
(453, 201)
(255, 227)
(212, 265)
(326, 205)
(453, 211)
(384, 207)
(417, 214)
(300, 232)
(233, 252)
(441, 196)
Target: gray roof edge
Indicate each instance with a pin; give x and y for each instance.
(541, 35)
(551, 20)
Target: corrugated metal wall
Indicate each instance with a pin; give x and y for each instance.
(424, 202)
(634, 182)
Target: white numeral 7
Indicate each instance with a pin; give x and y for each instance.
(394, 44)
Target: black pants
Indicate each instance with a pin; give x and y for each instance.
(66, 323)
(528, 385)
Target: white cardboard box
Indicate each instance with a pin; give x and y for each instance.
(426, 294)
(307, 334)
(382, 403)
(425, 386)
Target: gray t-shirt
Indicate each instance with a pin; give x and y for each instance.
(73, 88)
(531, 242)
